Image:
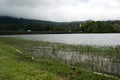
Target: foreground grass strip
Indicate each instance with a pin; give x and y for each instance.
(11, 68)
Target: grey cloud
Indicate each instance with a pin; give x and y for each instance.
(22, 3)
(61, 10)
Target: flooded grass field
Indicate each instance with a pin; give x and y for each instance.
(98, 59)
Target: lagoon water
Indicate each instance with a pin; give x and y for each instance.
(82, 39)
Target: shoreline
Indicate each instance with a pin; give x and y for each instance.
(44, 32)
(35, 32)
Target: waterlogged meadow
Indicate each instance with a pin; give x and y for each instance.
(37, 60)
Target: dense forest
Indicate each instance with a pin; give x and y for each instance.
(20, 24)
(11, 24)
(101, 26)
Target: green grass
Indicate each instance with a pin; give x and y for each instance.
(13, 68)
(17, 64)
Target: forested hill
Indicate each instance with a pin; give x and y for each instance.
(11, 24)
(20, 24)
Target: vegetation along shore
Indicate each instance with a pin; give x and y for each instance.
(37, 60)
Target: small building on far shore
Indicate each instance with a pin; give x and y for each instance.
(28, 30)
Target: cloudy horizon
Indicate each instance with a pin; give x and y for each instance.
(62, 10)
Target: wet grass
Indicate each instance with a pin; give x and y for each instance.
(16, 63)
(104, 50)
(12, 67)
(101, 50)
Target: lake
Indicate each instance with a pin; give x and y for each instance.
(76, 39)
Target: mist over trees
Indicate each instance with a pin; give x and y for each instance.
(20, 24)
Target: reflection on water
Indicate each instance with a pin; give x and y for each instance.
(95, 62)
(84, 39)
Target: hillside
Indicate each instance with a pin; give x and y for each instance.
(21, 25)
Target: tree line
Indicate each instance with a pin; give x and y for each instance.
(21, 25)
(101, 26)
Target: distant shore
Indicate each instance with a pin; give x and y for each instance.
(39, 32)
(35, 32)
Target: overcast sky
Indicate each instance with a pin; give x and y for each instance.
(62, 10)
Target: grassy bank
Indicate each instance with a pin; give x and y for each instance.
(16, 63)
(16, 67)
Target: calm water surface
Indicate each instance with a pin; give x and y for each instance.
(83, 39)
